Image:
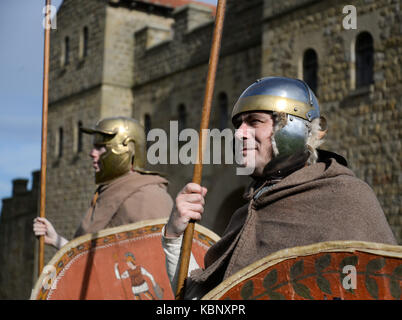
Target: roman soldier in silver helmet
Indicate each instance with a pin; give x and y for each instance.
(298, 126)
(126, 192)
(300, 195)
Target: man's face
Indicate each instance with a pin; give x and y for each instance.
(95, 154)
(254, 131)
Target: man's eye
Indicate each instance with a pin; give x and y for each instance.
(236, 124)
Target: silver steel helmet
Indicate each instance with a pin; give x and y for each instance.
(291, 97)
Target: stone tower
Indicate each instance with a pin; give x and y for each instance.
(91, 77)
(147, 60)
(358, 75)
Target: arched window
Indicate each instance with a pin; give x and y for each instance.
(364, 59)
(66, 50)
(60, 143)
(85, 42)
(79, 137)
(223, 110)
(147, 127)
(147, 123)
(310, 69)
(182, 117)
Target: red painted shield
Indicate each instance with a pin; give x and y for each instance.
(347, 270)
(120, 263)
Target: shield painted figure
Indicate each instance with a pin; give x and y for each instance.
(335, 270)
(122, 263)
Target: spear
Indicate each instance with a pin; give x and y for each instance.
(206, 110)
(44, 132)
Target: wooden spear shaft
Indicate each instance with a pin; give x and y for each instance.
(206, 110)
(44, 132)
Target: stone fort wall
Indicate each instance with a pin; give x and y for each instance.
(364, 122)
(17, 241)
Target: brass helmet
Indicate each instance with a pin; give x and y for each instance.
(124, 140)
(291, 97)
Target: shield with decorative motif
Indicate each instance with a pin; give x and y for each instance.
(342, 270)
(122, 263)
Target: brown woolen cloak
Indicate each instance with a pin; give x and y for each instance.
(128, 199)
(317, 203)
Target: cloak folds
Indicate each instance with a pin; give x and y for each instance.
(320, 202)
(131, 198)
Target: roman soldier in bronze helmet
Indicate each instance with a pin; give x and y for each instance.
(123, 145)
(126, 192)
(300, 194)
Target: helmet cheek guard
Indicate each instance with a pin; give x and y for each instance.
(290, 138)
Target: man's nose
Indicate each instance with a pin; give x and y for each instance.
(93, 153)
(242, 132)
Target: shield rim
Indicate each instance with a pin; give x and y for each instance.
(107, 232)
(394, 251)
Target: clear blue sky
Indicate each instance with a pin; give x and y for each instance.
(21, 76)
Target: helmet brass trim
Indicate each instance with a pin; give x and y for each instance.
(272, 103)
